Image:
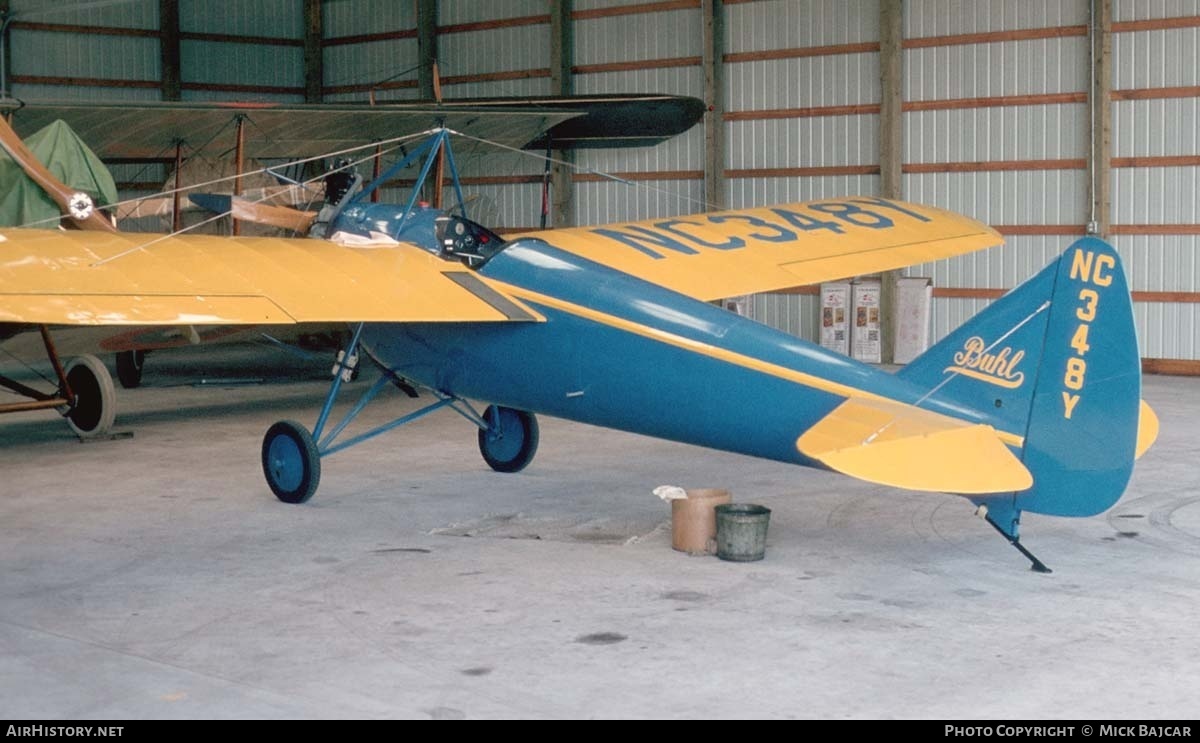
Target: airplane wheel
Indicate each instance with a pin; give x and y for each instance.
(129, 368)
(94, 406)
(511, 439)
(291, 462)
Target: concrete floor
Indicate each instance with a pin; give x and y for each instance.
(156, 577)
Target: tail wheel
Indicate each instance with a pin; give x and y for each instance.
(291, 462)
(93, 405)
(511, 439)
(129, 368)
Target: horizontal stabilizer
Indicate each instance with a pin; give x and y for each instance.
(903, 446)
(1147, 432)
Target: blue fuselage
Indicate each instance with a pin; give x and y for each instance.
(619, 352)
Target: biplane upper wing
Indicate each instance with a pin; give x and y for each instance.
(75, 278)
(144, 129)
(725, 254)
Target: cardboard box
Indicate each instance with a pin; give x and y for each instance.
(914, 298)
(835, 317)
(865, 341)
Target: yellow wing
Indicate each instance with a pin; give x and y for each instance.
(891, 443)
(64, 278)
(723, 254)
(59, 278)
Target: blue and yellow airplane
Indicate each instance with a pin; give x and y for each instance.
(1033, 405)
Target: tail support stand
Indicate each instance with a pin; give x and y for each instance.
(1036, 565)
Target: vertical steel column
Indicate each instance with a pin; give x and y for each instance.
(891, 151)
(714, 98)
(427, 18)
(562, 82)
(6, 18)
(168, 26)
(314, 63)
(1100, 102)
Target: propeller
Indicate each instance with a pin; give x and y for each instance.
(76, 207)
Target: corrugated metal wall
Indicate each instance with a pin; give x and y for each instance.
(644, 52)
(243, 49)
(124, 14)
(497, 49)
(54, 65)
(1156, 174)
(512, 57)
(993, 140)
(521, 50)
(214, 63)
(353, 63)
(66, 65)
(996, 126)
(802, 111)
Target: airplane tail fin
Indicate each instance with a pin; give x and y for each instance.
(1054, 361)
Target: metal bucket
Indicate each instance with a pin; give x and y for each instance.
(742, 531)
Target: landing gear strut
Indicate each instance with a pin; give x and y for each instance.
(85, 395)
(291, 456)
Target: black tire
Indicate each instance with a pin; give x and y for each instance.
(129, 368)
(93, 405)
(510, 446)
(291, 462)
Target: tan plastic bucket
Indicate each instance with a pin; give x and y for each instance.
(694, 520)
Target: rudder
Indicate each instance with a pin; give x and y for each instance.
(1055, 361)
(1083, 424)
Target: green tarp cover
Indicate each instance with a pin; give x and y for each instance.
(69, 159)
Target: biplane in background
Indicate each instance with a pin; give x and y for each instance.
(176, 134)
(1033, 405)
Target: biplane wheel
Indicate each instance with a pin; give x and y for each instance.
(129, 368)
(291, 462)
(510, 440)
(94, 405)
